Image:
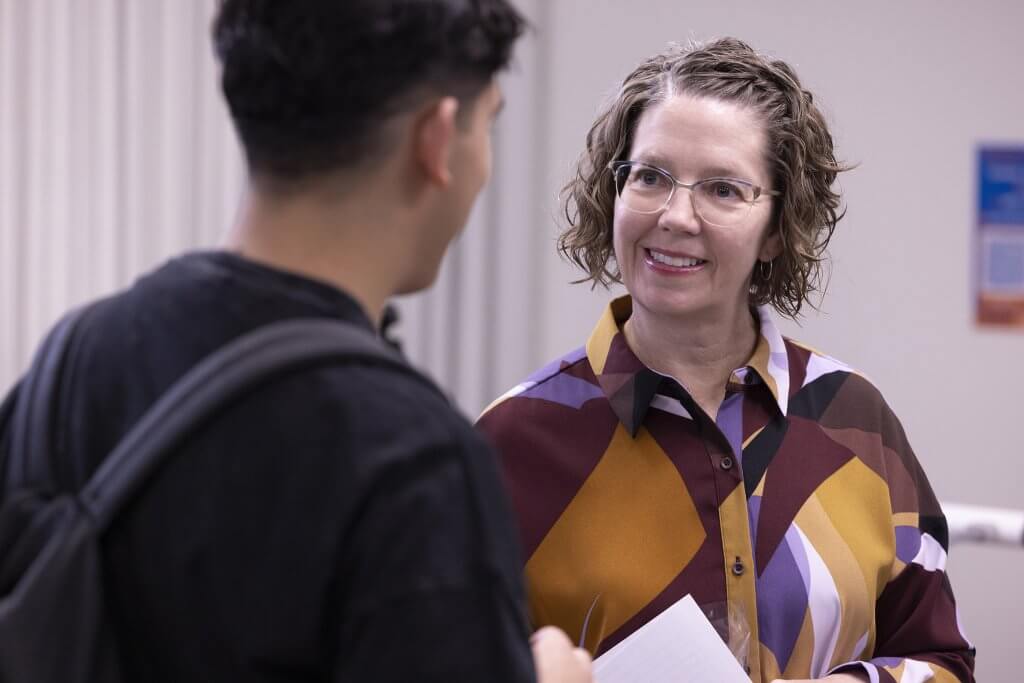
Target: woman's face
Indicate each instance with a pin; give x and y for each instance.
(674, 263)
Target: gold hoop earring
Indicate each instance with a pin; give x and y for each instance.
(766, 276)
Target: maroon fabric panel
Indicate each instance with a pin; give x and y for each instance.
(803, 462)
(547, 451)
(916, 618)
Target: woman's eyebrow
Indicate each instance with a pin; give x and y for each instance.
(714, 171)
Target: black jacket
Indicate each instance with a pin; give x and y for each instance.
(341, 524)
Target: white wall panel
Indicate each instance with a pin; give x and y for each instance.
(115, 153)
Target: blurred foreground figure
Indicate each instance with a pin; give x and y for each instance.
(342, 522)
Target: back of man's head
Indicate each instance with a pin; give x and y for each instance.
(310, 83)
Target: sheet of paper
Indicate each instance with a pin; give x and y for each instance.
(677, 646)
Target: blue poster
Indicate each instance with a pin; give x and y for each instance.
(1000, 236)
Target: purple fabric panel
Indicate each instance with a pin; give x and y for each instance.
(557, 364)
(730, 421)
(782, 601)
(753, 514)
(796, 547)
(565, 390)
(908, 542)
(890, 662)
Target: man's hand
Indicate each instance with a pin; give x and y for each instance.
(557, 661)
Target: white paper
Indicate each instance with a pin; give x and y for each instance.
(677, 646)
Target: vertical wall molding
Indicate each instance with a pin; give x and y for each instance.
(116, 153)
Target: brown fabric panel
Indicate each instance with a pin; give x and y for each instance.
(859, 405)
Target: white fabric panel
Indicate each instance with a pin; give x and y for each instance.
(670, 405)
(825, 607)
(915, 671)
(930, 555)
(820, 365)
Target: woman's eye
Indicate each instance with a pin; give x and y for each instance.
(724, 191)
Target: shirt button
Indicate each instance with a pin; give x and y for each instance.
(738, 568)
(726, 463)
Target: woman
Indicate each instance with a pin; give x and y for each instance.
(689, 448)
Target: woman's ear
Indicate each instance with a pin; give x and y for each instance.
(772, 245)
(434, 138)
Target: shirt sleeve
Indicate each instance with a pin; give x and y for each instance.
(918, 631)
(431, 579)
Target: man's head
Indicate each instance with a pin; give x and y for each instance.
(341, 95)
(311, 84)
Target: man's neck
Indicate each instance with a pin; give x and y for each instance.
(340, 242)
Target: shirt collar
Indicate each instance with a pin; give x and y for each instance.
(771, 360)
(630, 386)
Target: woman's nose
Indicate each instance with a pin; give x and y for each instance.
(680, 215)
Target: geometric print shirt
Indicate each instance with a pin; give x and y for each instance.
(799, 515)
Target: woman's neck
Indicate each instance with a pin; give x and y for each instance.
(700, 353)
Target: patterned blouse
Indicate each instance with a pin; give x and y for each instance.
(800, 511)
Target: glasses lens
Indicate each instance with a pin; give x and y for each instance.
(723, 202)
(641, 188)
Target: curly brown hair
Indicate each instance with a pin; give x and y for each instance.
(800, 154)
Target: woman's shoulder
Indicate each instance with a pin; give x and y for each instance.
(822, 378)
(568, 378)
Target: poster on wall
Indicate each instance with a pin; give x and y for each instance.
(1000, 237)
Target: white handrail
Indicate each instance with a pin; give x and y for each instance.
(986, 525)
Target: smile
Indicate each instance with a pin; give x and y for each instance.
(662, 260)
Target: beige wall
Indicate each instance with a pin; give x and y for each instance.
(115, 153)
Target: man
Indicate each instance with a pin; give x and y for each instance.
(342, 523)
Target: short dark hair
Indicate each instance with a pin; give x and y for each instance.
(309, 82)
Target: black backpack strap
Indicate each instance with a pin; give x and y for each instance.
(34, 413)
(224, 375)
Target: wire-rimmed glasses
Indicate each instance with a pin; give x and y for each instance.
(647, 189)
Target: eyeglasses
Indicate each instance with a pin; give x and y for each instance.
(647, 189)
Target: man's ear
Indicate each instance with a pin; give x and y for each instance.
(434, 138)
